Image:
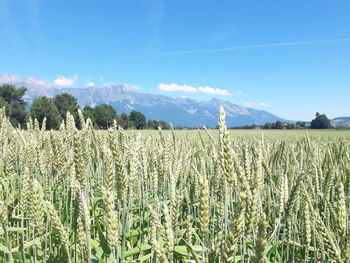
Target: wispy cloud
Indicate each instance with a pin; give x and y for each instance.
(130, 87)
(264, 45)
(63, 81)
(176, 87)
(210, 90)
(253, 104)
(191, 89)
(125, 87)
(90, 84)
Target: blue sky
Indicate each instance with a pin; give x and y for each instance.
(289, 57)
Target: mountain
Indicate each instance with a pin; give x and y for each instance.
(341, 122)
(125, 98)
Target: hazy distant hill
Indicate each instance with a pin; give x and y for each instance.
(179, 111)
(341, 122)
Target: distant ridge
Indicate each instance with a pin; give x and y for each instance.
(341, 122)
(180, 111)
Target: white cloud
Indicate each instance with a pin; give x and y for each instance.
(176, 87)
(63, 81)
(124, 87)
(90, 84)
(5, 78)
(14, 79)
(252, 104)
(191, 89)
(210, 90)
(130, 87)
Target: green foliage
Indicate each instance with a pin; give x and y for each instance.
(45, 107)
(89, 112)
(164, 125)
(66, 102)
(11, 99)
(300, 124)
(4, 104)
(101, 116)
(124, 121)
(321, 122)
(153, 124)
(137, 119)
(274, 125)
(105, 115)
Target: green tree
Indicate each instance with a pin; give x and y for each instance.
(11, 99)
(137, 119)
(279, 125)
(268, 125)
(163, 125)
(66, 102)
(300, 125)
(152, 124)
(45, 107)
(124, 121)
(89, 112)
(321, 122)
(105, 115)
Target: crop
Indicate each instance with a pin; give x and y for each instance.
(115, 196)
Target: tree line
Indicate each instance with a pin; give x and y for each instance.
(321, 121)
(103, 116)
(55, 109)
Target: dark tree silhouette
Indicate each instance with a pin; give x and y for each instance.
(137, 119)
(321, 122)
(45, 107)
(105, 115)
(66, 102)
(11, 99)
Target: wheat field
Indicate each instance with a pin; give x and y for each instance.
(115, 196)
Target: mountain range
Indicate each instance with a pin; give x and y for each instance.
(341, 122)
(125, 98)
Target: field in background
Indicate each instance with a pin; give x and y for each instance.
(248, 134)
